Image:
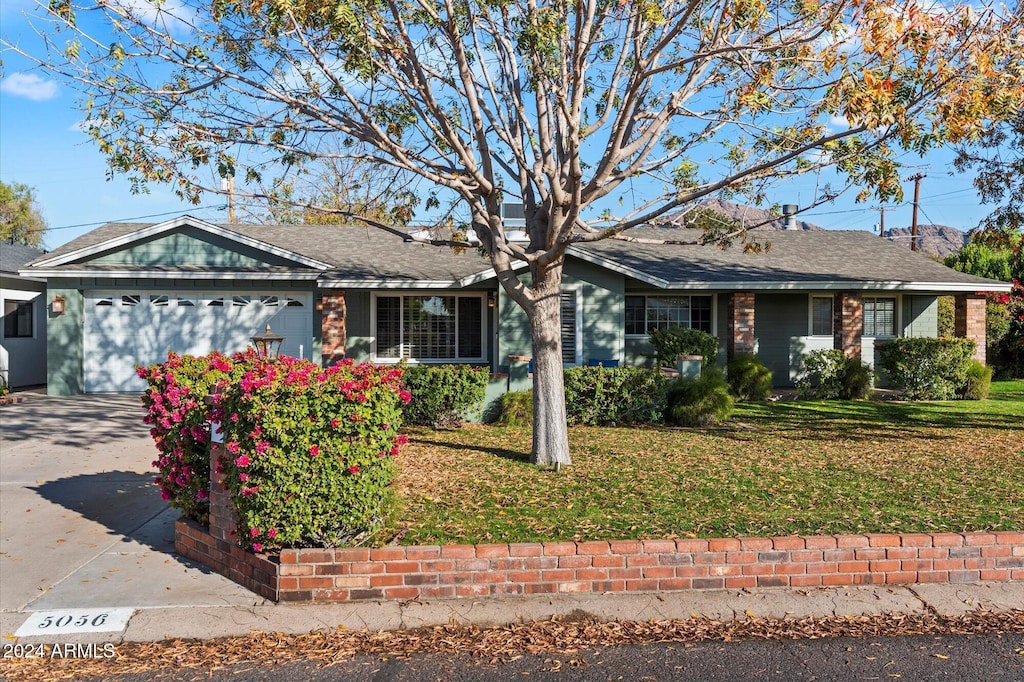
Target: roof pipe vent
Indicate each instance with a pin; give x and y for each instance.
(789, 211)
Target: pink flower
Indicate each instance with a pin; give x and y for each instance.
(272, 533)
(334, 423)
(354, 469)
(165, 493)
(246, 492)
(232, 446)
(262, 446)
(257, 547)
(242, 461)
(402, 439)
(314, 450)
(253, 532)
(234, 416)
(405, 396)
(243, 477)
(202, 494)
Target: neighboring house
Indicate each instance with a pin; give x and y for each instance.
(23, 336)
(133, 292)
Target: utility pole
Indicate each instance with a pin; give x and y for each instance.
(917, 197)
(881, 221)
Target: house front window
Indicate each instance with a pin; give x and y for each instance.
(644, 313)
(18, 319)
(821, 316)
(445, 328)
(880, 317)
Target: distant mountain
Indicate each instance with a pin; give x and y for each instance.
(750, 216)
(933, 240)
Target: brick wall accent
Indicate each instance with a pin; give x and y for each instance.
(326, 575)
(969, 321)
(223, 520)
(332, 325)
(848, 310)
(741, 323)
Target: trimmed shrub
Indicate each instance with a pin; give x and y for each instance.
(310, 451)
(979, 382)
(702, 401)
(831, 374)
(748, 379)
(857, 380)
(926, 368)
(597, 396)
(670, 343)
(516, 409)
(177, 416)
(443, 394)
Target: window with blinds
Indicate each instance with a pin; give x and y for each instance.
(821, 316)
(440, 328)
(879, 317)
(569, 339)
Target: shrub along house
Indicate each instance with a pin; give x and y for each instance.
(132, 292)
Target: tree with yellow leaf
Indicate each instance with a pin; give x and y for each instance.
(559, 105)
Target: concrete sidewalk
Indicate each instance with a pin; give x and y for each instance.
(83, 528)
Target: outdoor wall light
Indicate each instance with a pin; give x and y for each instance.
(268, 344)
(491, 299)
(57, 304)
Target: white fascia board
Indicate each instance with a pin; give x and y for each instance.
(162, 274)
(169, 225)
(614, 266)
(387, 284)
(934, 287)
(487, 274)
(30, 275)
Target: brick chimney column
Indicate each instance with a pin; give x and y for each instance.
(741, 323)
(332, 325)
(969, 321)
(848, 309)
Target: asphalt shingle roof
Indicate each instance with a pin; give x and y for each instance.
(794, 256)
(15, 256)
(358, 253)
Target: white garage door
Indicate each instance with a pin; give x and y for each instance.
(124, 329)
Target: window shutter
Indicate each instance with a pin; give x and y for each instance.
(569, 327)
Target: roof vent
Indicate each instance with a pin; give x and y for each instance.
(789, 212)
(513, 215)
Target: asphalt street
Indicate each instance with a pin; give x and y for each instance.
(974, 658)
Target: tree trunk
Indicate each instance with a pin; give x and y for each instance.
(550, 432)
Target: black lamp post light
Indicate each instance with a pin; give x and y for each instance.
(268, 344)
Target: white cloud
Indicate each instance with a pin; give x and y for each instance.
(28, 85)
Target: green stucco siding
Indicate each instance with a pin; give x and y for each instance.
(358, 334)
(780, 333)
(64, 348)
(189, 247)
(920, 316)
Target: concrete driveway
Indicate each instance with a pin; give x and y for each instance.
(81, 524)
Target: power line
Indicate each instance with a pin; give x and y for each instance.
(219, 207)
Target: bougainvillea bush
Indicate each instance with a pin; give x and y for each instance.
(309, 450)
(177, 416)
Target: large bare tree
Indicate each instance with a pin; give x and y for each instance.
(563, 106)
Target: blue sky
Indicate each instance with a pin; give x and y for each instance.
(41, 146)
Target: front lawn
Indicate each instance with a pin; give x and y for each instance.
(775, 469)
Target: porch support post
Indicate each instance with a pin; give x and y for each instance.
(741, 323)
(969, 322)
(332, 325)
(848, 309)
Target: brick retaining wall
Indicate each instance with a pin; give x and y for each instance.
(321, 575)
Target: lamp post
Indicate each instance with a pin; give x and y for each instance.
(268, 344)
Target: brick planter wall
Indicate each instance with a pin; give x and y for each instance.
(323, 575)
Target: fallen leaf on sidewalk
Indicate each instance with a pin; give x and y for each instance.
(942, 656)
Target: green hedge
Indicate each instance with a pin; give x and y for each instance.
(670, 343)
(831, 374)
(597, 396)
(443, 394)
(700, 401)
(748, 379)
(927, 368)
